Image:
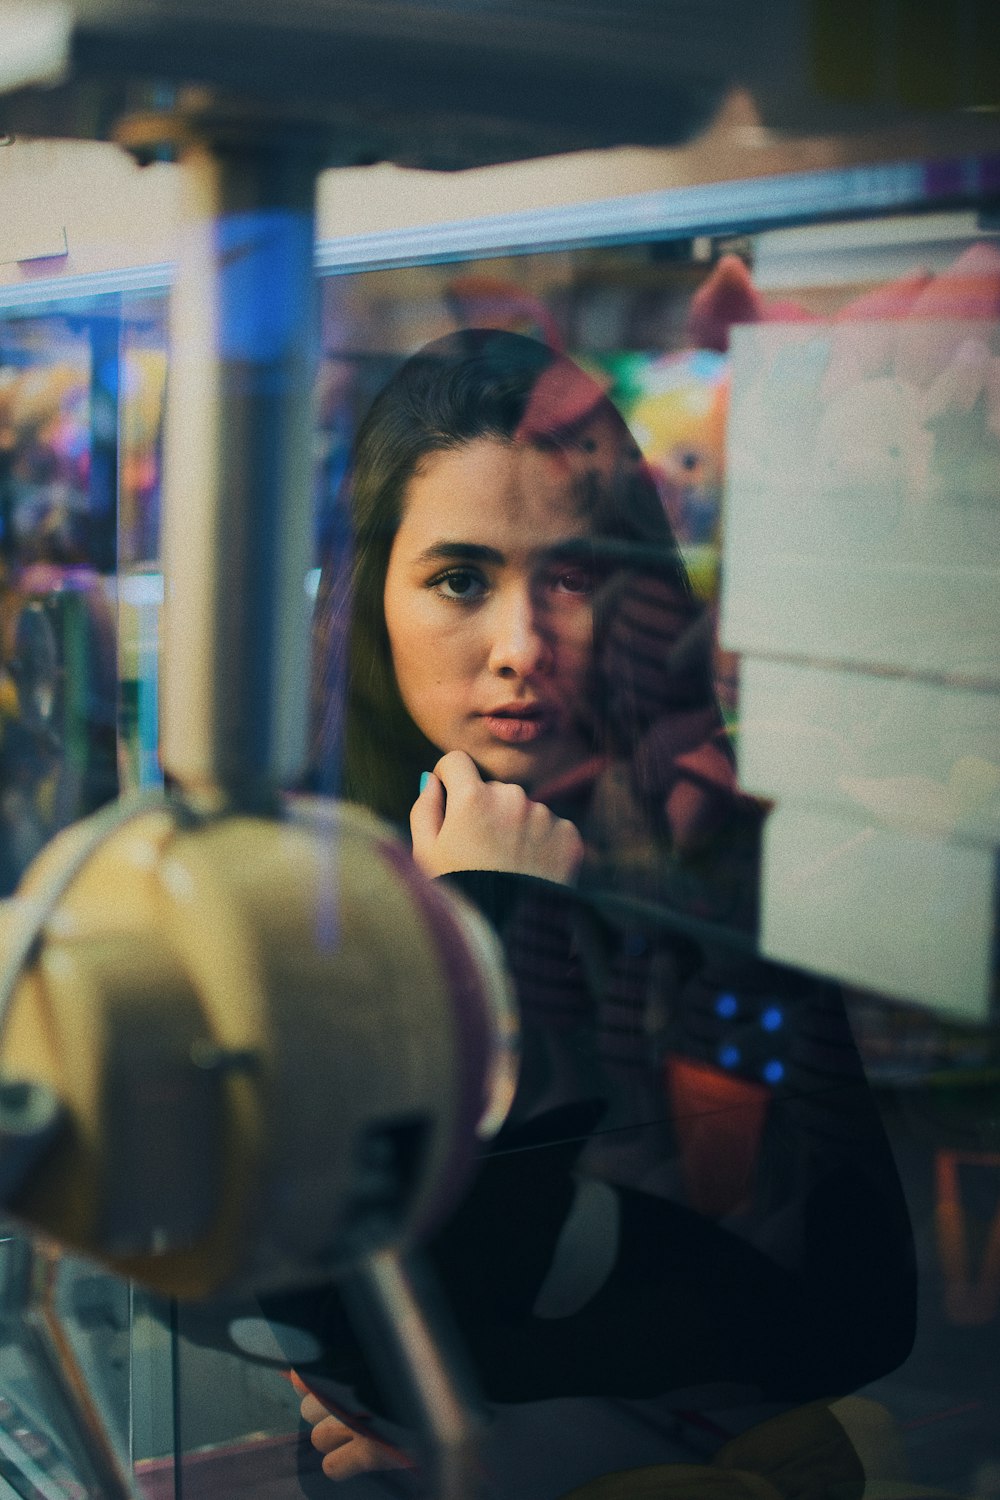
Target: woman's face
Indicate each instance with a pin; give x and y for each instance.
(489, 611)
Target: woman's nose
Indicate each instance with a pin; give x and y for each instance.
(519, 646)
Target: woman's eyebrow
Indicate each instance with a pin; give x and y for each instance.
(461, 552)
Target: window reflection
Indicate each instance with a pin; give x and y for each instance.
(735, 1061)
(759, 752)
(693, 1191)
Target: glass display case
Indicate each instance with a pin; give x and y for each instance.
(810, 369)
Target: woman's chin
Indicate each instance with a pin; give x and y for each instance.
(528, 766)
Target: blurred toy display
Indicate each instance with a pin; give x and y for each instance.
(142, 391)
(58, 668)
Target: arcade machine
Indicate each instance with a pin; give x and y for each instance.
(809, 362)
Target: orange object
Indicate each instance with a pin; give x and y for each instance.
(967, 1301)
(718, 1121)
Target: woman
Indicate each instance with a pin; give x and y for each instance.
(529, 686)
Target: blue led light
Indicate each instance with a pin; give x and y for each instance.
(726, 1006)
(772, 1019)
(729, 1056)
(774, 1071)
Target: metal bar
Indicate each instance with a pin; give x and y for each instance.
(405, 1327)
(237, 466)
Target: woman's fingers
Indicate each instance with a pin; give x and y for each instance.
(458, 774)
(328, 1431)
(460, 822)
(427, 813)
(345, 1452)
(312, 1410)
(330, 1434)
(358, 1455)
(310, 1407)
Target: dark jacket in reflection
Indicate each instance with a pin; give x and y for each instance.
(693, 1192)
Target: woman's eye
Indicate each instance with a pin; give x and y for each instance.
(459, 583)
(573, 581)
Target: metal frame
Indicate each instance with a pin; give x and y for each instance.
(743, 206)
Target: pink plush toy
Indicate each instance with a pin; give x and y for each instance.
(729, 297)
(911, 387)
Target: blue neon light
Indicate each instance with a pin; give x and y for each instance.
(772, 1019)
(726, 1006)
(774, 1071)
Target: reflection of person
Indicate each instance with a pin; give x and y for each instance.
(515, 622)
(526, 447)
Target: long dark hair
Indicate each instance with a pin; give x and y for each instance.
(474, 384)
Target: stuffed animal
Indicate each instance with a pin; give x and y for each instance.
(679, 423)
(729, 297)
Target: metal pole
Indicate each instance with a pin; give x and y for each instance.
(237, 537)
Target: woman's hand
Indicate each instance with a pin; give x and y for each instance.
(345, 1452)
(461, 822)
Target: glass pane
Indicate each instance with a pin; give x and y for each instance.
(65, 1366)
(817, 412)
(874, 730)
(726, 544)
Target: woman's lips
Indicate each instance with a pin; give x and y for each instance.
(517, 726)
